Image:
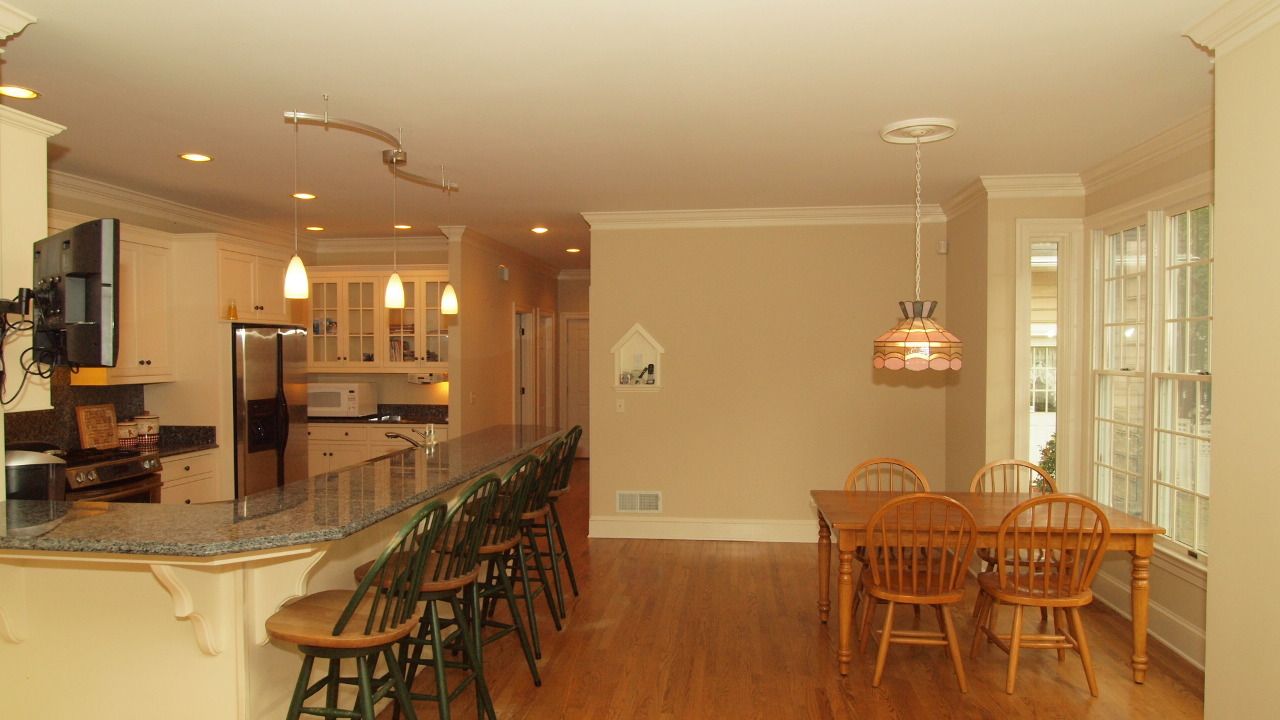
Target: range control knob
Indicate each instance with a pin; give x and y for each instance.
(92, 476)
(79, 478)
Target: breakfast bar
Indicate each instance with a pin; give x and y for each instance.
(160, 608)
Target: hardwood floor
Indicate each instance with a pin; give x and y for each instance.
(686, 630)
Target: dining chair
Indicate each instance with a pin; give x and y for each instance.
(918, 551)
(363, 624)
(498, 552)
(558, 548)
(1010, 476)
(1048, 550)
(882, 474)
(449, 578)
(886, 474)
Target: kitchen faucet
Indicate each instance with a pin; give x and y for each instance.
(411, 441)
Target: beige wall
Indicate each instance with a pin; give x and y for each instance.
(575, 294)
(767, 386)
(1242, 669)
(966, 306)
(482, 362)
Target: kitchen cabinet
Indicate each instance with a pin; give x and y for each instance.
(144, 298)
(336, 445)
(255, 283)
(345, 313)
(417, 336)
(190, 478)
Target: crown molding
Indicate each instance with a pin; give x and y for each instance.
(1188, 135)
(13, 20)
(763, 217)
(160, 214)
(1002, 187)
(30, 123)
(1234, 23)
(464, 235)
(575, 274)
(350, 245)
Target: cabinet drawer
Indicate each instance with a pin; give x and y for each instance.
(327, 432)
(189, 491)
(180, 467)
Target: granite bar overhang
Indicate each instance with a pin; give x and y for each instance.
(322, 508)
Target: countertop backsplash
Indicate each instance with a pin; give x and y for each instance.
(59, 424)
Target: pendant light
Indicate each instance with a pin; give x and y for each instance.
(395, 288)
(448, 300)
(918, 342)
(296, 284)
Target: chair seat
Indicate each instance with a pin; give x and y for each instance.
(1029, 589)
(310, 621)
(899, 588)
(428, 585)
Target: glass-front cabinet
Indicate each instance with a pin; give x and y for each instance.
(352, 330)
(344, 322)
(417, 335)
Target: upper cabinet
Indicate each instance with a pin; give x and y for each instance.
(344, 321)
(351, 330)
(254, 283)
(144, 298)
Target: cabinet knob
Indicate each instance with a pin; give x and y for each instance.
(187, 501)
(141, 362)
(148, 362)
(186, 468)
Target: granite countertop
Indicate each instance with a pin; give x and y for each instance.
(325, 507)
(380, 419)
(167, 450)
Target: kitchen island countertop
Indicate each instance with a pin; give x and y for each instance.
(325, 507)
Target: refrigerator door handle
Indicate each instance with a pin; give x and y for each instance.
(283, 419)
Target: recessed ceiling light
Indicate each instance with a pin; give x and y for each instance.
(573, 250)
(16, 91)
(314, 228)
(539, 230)
(304, 196)
(196, 157)
(404, 227)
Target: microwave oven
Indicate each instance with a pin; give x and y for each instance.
(342, 399)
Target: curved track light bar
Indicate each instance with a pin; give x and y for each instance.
(398, 157)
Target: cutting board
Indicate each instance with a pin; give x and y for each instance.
(97, 426)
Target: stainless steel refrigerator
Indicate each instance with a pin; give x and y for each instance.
(270, 382)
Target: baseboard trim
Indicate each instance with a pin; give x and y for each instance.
(1174, 632)
(665, 528)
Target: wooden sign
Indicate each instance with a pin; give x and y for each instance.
(97, 426)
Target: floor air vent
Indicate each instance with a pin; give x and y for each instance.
(648, 501)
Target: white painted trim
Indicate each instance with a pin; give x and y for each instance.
(763, 217)
(30, 123)
(575, 275)
(1175, 632)
(562, 361)
(13, 20)
(325, 246)
(1032, 186)
(668, 528)
(69, 187)
(1233, 24)
(1183, 137)
(1196, 186)
(972, 195)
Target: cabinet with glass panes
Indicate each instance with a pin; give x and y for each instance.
(344, 322)
(418, 335)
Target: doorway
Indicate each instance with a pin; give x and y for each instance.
(576, 396)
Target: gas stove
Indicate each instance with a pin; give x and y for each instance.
(101, 466)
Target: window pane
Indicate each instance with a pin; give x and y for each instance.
(1184, 406)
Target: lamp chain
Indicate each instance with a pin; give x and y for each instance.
(917, 218)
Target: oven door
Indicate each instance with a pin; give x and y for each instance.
(145, 489)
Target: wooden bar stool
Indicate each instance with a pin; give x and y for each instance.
(362, 624)
(528, 567)
(498, 552)
(449, 578)
(551, 529)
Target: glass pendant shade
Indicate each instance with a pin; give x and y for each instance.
(296, 285)
(395, 292)
(448, 301)
(918, 342)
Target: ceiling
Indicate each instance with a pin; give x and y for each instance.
(543, 111)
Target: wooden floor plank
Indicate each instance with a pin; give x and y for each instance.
(682, 630)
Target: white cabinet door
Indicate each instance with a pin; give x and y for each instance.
(144, 297)
(254, 283)
(345, 312)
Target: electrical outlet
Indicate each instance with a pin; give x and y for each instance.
(473, 398)
(622, 405)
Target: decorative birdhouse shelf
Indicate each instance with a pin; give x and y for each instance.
(637, 361)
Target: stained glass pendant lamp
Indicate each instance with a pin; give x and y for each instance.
(918, 342)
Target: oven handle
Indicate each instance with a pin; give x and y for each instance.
(137, 486)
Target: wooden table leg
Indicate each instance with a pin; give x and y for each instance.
(845, 599)
(1141, 594)
(824, 569)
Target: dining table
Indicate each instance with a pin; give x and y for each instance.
(847, 513)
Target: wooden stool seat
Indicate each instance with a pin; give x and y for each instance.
(309, 621)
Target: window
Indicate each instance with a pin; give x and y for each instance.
(1152, 382)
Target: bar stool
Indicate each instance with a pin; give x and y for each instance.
(498, 552)
(528, 567)
(449, 577)
(552, 528)
(362, 624)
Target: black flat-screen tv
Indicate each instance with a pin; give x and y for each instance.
(74, 305)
